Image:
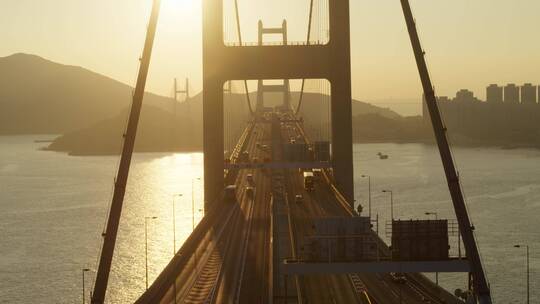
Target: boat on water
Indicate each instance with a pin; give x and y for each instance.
(382, 156)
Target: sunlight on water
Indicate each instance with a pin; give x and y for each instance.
(153, 184)
(53, 209)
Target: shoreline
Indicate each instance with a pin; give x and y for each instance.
(515, 146)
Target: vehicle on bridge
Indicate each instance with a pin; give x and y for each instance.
(398, 277)
(298, 199)
(249, 179)
(244, 157)
(250, 192)
(230, 194)
(308, 181)
(317, 174)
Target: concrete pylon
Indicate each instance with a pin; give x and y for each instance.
(276, 88)
(261, 87)
(221, 63)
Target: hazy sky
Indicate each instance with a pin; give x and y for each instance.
(469, 43)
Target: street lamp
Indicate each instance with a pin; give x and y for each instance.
(527, 247)
(174, 221)
(369, 193)
(146, 218)
(83, 290)
(391, 203)
(193, 203)
(174, 235)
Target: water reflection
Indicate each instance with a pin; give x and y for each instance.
(54, 207)
(153, 183)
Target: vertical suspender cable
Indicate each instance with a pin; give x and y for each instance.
(240, 41)
(308, 37)
(109, 237)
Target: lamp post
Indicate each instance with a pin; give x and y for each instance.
(436, 218)
(174, 221)
(391, 203)
(527, 247)
(146, 218)
(369, 193)
(193, 203)
(174, 235)
(83, 289)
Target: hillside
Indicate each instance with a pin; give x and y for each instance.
(179, 129)
(164, 131)
(38, 96)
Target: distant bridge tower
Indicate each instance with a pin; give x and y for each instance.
(280, 88)
(222, 63)
(184, 91)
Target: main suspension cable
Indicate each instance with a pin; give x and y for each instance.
(308, 37)
(238, 29)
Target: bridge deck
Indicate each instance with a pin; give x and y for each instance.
(228, 259)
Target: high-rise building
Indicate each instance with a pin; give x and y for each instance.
(528, 93)
(441, 100)
(464, 96)
(511, 93)
(494, 93)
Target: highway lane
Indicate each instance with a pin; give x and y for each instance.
(212, 262)
(317, 288)
(379, 286)
(255, 272)
(235, 267)
(228, 286)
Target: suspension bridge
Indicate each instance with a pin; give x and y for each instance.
(280, 224)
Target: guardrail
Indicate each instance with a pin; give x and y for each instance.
(233, 158)
(168, 276)
(276, 43)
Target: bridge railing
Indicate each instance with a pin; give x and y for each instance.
(230, 174)
(166, 279)
(275, 43)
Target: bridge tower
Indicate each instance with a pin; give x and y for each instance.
(279, 88)
(222, 63)
(178, 91)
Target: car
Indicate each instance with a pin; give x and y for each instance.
(317, 173)
(250, 191)
(244, 156)
(249, 179)
(398, 277)
(230, 193)
(299, 198)
(308, 181)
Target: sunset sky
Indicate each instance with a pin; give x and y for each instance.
(469, 44)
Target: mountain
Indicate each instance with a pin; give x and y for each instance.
(159, 130)
(180, 127)
(370, 128)
(38, 96)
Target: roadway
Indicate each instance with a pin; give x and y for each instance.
(322, 202)
(228, 257)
